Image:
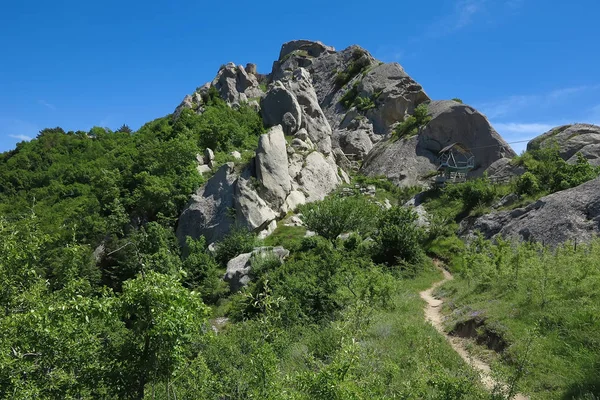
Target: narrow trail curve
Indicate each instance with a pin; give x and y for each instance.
(433, 314)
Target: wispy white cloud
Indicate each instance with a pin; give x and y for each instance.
(518, 134)
(467, 12)
(518, 103)
(464, 12)
(520, 129)
(46, 104)
(21, 137)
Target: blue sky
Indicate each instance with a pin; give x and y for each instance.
(528, 65)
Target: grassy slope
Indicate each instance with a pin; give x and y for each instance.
(400, 355)
(546, 307)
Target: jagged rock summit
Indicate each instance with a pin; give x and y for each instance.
(336, 108)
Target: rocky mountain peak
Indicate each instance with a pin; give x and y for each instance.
(337, 107)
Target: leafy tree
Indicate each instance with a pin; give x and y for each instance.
(164, 319)
(124, 129)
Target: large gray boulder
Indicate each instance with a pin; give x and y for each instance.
(403, 162)
(572, 139)
(354, 142)
(397, 95)
(239, 268)
(272, 167)
(503, 170)
(278, 103)
(318, 177)
(313, 118)
(408, 161)
(251, 209)
(207, 212)
(572, 214)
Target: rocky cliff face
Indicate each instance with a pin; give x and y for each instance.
(572, 139)
(337, 107)
(408, 161)
(572, 214)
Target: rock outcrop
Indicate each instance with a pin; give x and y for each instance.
(239, 268)
(272, 168)
(277, 180)
(318, 177)
(279, 104)
(572, 139)
(572, 214)
(293, 103)
(408, 161)
(207, 213)
(233, 83)
(327, 110)
(503, 170)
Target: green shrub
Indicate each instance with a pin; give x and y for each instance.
(411, 124)
(202, 271)
(336, 215)
(349, 97)
(398, 239)
(527, 184)
(456, 99)
(551, 172)
(238, 241)
(355, 67)
(472, 193)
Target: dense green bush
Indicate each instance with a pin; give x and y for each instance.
(551, 172)
(202, 271)
(527, 184)
(472, 192)
(357, 64)
(398, 239)
(336, 215)
(236, 242)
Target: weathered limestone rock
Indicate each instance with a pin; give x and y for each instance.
(313, 118)
(251, 210)
(317, 178)
(357, 143)
(571, 139)
(239, 268)
(406, 161)
(503, 170)
(572, 214)
(272, 167)
(277, 103)
(207, 211)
